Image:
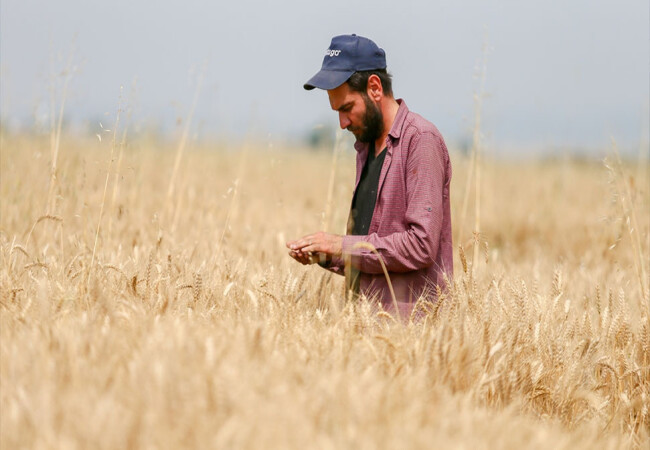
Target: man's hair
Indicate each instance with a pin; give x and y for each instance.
(358, 82)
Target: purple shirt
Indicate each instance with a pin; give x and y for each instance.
(411, 223)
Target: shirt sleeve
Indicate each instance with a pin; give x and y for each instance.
(417, 246)
(337, 266)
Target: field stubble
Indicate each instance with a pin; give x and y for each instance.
(184, 323)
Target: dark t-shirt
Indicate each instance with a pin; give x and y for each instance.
(363, 204)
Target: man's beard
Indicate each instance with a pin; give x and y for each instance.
(372, 125)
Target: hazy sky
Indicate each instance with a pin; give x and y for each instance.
(570, 72)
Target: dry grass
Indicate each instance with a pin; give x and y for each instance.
(197, 330)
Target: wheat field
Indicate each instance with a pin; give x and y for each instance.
(148, 301)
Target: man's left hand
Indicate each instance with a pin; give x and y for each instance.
(320, 242)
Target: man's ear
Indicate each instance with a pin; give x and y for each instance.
(375, 90)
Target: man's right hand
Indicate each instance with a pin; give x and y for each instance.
(303, 258)
(324, 260)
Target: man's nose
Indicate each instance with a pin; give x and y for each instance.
(344, 122)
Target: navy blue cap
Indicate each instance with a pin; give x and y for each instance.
(346, 54)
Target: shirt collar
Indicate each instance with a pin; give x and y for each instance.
(400, 117)
(395, 130)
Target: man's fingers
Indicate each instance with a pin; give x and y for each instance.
(316, 246)
(302, 244)
(297, 244)
(305, 241)
(311, 243)
(311, 247)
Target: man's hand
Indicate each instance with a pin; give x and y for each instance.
(307, 250)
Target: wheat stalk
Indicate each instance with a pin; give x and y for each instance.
(55, 134)
(476, 150)
(325, 224)
(629, 213)
(475, 161)
(118, 166)
(369, 246)
(108, 174)
(233, 200)
(183, 141)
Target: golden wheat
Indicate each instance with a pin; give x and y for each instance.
(199, 331)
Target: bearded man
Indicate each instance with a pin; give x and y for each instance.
(400, 203)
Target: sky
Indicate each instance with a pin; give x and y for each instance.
(559, 73)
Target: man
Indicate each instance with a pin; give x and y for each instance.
(400, 203)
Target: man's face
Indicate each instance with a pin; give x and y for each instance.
(357, 113)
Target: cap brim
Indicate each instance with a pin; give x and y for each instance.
(328, 79)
